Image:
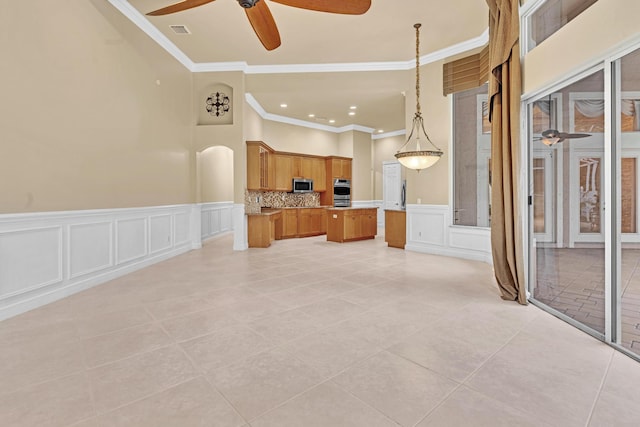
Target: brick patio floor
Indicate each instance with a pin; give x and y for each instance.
(571, 281)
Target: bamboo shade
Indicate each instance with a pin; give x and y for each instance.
(466, 73)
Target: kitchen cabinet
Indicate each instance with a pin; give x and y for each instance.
(290, 222)
(339, 168)
(310, 221)
(335, 168)
(284, 172)
(395, 228)
(260, 166)
(264, 228)
(349, 224)
(319, 174)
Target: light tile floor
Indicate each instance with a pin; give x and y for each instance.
(307, 333)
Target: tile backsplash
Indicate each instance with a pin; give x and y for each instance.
(254, 200)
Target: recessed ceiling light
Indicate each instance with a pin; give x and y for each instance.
(283, 106)
(352, 113)
(353, 107)
(312, 115)
(380, 130)
(332, 121)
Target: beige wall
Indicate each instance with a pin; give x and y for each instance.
(298, 139)
(228, 135)
(93, 114)
(253, 124)
(587, 38)
(345, 144)
(361, 167)
(430, 185)
(216, 174)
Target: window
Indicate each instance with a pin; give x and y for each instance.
(472, 155)
(549, 16)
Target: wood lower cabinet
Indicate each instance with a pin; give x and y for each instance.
(395, 228)
(310, 221)
(303, 222)
(349, 224)
(264, 228)
(289, 222)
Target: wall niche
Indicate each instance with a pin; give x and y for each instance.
(215, 105)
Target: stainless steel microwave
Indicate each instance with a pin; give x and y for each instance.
(301, 185)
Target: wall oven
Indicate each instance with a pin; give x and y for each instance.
(341, 193)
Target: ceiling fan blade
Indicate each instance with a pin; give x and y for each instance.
(178, 7)
(264, 25)
(573, 135)
(347, 7)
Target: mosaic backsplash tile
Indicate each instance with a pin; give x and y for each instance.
(254, 200)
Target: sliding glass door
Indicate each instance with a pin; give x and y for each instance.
(567, 171)
(584, 182)
(626, 123)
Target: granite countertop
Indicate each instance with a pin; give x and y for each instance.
(267, 211)
(331, 208)
(272, 211)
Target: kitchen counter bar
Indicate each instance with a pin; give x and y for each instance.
(349, 224)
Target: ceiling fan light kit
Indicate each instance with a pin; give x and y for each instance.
(418, 158)
(261, 19)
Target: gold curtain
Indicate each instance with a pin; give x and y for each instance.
(505, 88)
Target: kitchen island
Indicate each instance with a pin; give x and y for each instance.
(349, 224)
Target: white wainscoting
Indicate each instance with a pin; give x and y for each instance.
(49, 255)
(215, 219)
(429, 230)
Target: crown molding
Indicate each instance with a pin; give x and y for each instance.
(304, 123)
(400, 132)
(204, 67)
(141, 22)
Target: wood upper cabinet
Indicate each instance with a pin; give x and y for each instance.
(305, 167)
(341, 168)
(274, 171)
(260, 166)
(284, 172)
(319, 174)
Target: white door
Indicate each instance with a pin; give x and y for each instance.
(392, 185)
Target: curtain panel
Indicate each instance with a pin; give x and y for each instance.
(505, 88)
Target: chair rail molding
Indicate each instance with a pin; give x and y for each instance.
(429, 230)
(46, 256)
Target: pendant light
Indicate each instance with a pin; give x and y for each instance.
(418, 158)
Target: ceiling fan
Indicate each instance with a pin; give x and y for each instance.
(553, 136)
(261, 19)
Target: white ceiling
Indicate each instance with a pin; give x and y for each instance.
(326, 62)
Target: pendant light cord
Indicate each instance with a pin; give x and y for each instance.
(417, 27)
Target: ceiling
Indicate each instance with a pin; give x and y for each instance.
(327, 62)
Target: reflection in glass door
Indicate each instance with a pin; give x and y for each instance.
(627, 133)
(568, 243)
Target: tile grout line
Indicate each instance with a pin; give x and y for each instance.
(205, 377)
(601, 386)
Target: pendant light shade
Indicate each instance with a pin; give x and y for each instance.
(411, 155)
